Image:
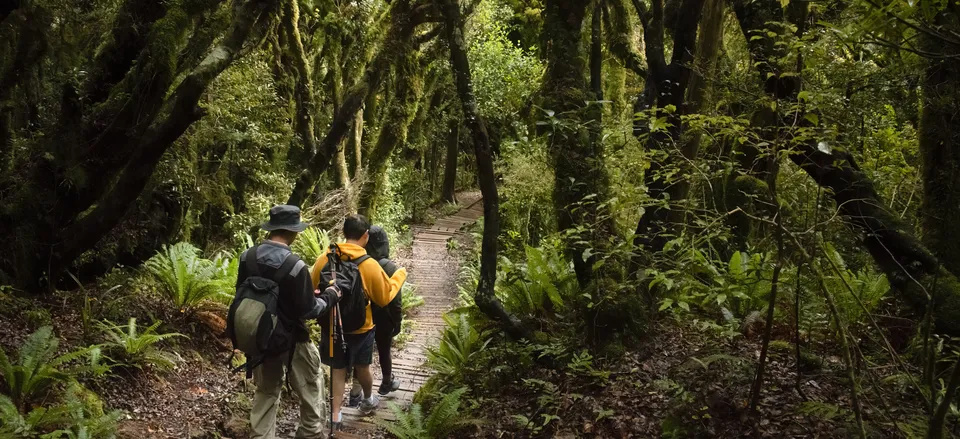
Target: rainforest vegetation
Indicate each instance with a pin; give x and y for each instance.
(701, 218)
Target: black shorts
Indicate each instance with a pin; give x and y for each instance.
(359, 351)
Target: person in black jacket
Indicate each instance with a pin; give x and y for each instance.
(298, 302)
(387, 320)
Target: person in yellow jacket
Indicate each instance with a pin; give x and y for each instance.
(380, 289)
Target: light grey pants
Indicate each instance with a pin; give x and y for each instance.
(306, 379)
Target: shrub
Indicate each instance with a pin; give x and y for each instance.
(39, 369)
(186, 278)
(444, 419)
(129, 348)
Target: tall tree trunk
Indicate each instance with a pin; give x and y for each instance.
(355, 147)
(449, 190)
(581, 180)
(393, 131)
(303, 91)
(665, 89)
(940, 147)
(704, 66)
(485, 297)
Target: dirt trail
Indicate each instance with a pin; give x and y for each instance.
(434, 271)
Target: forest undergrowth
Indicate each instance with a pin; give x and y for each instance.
(702, 218)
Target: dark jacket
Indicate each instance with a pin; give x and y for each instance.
(297, 302)
(378, 247)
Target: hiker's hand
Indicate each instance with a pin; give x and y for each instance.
(331, 295)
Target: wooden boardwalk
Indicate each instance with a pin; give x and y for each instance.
(434, 271)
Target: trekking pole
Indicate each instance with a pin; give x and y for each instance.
(336, 328)
(335, 316)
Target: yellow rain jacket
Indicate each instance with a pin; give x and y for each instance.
(379, 288)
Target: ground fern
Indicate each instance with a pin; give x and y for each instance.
(186, 278)
(443, 420)
(139, 350)
(39, 369)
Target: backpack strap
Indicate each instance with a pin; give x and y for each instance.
(253, 268)
(286, 267)
(360, 260)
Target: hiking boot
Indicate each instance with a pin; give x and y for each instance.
(370, 404)
(354, 401)
(389, 386)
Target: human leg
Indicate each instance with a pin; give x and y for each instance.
(339, 377)
(384, 340)
(268, 377)
(307, 383)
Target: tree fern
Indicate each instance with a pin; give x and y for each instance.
(138, 349)
(185, 277)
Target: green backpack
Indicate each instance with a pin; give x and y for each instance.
(254, 323)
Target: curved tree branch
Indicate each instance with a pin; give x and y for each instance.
(180, 112)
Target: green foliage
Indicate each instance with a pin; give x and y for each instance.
(79, 416)
(410, 299)
(735, 288)
(130, 348)
(232, 163)
(311, 244)
(868, 285)
(459, 350)
(546, 276)
(504, 75)
(39, 369)
(527, 192)
(186, 278)
(443, 420)
(405, 198)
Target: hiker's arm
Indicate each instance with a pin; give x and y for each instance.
(380, 287)
(311, 305)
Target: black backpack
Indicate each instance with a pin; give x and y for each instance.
(392, 314)
(352, 306)
(254, 323)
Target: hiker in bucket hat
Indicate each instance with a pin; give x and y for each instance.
(274, 284)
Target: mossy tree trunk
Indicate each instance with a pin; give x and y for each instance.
(485, 296)
(70, 196)
(448, 191)
(664, 93)
(581, 180)
(394, 43)
(940, 146)
(393, 131)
